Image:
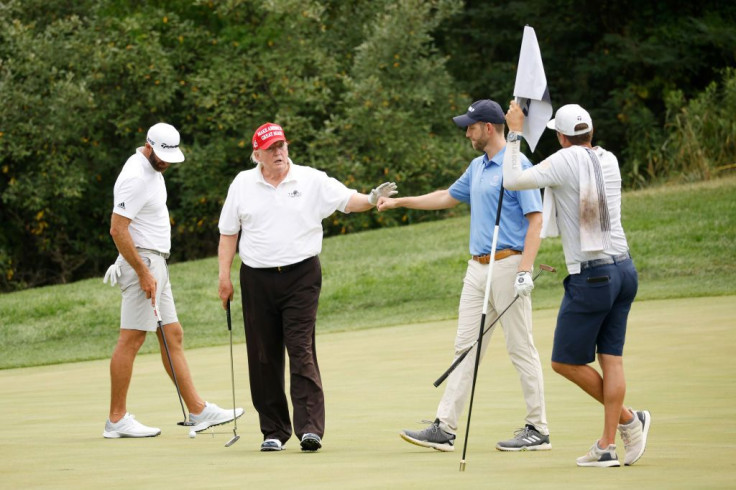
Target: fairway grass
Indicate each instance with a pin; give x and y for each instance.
(679, 362)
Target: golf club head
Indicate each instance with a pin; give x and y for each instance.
(232, 441)
(547, 268)
(186, 423)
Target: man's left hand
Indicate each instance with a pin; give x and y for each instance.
(387, 189)
(524, 283)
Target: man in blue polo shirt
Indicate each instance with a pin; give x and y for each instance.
(518, 243)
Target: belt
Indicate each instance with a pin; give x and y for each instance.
(613, 259)
(284, 268)
(500, 255)
(155, 252)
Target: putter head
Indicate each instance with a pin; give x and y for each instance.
(186, 423)
(232, 441)
(547, 268)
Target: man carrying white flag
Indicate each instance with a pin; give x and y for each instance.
(531, 89)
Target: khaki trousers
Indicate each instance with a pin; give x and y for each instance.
(517, 329)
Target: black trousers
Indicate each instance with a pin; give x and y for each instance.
(280, 313)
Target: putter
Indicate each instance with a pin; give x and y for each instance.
(235, 437)
(186, 422)
(456, 363)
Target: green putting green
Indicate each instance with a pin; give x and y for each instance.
(679, 363)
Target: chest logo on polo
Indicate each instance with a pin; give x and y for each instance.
(295, 193)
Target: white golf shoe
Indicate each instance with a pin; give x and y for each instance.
(601, 458)
(128, 426)
(634, 435)
(213, 415)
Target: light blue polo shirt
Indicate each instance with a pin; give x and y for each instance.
(479, 186)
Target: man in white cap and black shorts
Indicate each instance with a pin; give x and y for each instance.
(582, 204)
(141, 230)
(278, 208)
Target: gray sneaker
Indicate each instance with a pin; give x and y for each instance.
(432, 437)
(526, 439)
(634, 435)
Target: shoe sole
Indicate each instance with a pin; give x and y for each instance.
(600, 464)
(123, 435)
(272, 449)
(311, 446)
(644, 434)
(207, 423)
(537, 447)
(445, 448)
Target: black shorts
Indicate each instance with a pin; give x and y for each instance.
(594, 312)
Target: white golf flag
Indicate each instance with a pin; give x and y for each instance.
(531, 90)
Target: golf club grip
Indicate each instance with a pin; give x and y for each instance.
(452, 367)
(229, 320)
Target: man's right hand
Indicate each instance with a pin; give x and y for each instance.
(385, 203)
(225, 291)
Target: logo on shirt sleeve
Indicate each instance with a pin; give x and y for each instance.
(121, 205)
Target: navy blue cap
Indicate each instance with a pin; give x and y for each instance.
(484, 110)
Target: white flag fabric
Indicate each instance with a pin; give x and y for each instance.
(531, 90)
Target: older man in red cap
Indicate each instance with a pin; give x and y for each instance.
(277, 208)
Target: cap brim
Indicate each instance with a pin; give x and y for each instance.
(551, 124)
(463, 121)
(171, 156)
(268, 144)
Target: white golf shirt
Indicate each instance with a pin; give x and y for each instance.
(140, 195)
(281, 225)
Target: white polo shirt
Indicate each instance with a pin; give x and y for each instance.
(281, 225)
(140, 195)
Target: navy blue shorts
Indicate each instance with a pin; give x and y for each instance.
(593, 313)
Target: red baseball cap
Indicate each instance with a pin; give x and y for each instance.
(266, 135)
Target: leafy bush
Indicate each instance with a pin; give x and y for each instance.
(365, 90)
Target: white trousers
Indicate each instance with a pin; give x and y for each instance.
(517, 329)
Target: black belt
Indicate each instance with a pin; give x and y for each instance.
(614, 259)
(155, 252)
(284, 268)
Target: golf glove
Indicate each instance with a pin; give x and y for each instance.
(524, 283)
(387, 189)
(112, 274)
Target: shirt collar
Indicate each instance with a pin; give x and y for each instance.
(290, 175)
(497, 159)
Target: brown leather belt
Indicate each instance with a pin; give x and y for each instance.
(500, 255)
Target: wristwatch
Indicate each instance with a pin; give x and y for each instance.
(513, 136)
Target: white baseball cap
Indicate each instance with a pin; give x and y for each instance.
(567, 117)
(164, 139)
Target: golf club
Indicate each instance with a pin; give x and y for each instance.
(489, 278)
(186, 422)
(235, 437)
(456, 363)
